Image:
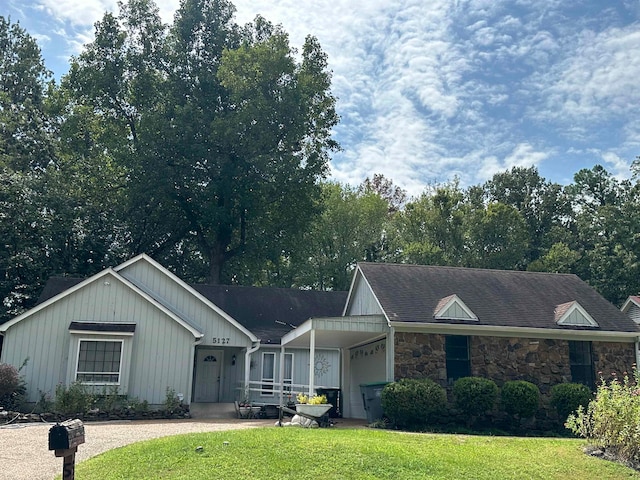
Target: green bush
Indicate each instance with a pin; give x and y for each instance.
(475, 395)
(413, 403)
(611, 420)
(76, 399)
(520, 398)
(567, 397)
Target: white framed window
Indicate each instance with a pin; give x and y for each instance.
(99, 362)
(268, 376)
(287, 378)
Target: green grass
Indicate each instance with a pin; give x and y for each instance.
(280, 453)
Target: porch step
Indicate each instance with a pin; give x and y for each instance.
(212, 410)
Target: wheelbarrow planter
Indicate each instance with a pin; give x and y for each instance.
(316, 411)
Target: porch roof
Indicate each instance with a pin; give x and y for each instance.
(336, 332)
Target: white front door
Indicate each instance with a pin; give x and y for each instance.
(208, 363)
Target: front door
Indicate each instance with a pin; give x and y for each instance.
(208, 363)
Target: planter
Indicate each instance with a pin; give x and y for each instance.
(313, 410)
(249, 412)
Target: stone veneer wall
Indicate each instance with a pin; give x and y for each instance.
(544, 362)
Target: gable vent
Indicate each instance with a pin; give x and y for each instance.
(453, 308)
(572, 314)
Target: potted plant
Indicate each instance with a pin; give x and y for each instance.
(316, 405)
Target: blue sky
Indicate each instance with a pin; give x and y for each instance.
(432, 89)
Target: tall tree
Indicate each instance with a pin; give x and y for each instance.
(228, 133)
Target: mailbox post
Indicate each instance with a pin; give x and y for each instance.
(64, 439)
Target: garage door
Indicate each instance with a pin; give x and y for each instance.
(368, 365)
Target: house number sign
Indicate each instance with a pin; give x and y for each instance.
(221, 340)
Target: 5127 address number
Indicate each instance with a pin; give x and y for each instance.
(221, 341)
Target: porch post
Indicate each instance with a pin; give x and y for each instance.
(281, 375)
(312, 360)
(391, 354)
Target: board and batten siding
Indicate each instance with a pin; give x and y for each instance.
(362, 301)
(162, 349)
(634, 313)
(182, 301)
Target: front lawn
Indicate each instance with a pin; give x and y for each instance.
(322, 454)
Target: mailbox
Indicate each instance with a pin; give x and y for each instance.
(66, 435)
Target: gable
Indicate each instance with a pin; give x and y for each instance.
(632, 308)
(361, 299)
(452, 308)
(572, 314)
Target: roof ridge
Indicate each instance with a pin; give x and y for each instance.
(474, 269)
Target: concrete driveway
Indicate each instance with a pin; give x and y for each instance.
(24, 453)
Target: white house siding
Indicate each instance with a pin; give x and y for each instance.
(219, 332)
(362, 301)
(161, 353)
(367, 365)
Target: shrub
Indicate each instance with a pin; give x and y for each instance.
(76, 399)
(611, 420)
(12, 386)
(475, 395)
(171, 401)
(567, 397)
(520, 398)
(413, 403)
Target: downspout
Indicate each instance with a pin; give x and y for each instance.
(247, 364)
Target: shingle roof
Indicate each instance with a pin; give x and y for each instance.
(410, 293)
(267, 312)
(271, 312)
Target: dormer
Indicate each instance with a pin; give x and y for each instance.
(452, 308)
(571, 314)
(632, 308)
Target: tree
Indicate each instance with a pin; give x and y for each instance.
(228, 133)
(351, 225)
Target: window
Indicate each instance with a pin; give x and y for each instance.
(581, 363)
(268, 373)
(287, 379)
(457, 357)
(99, 361)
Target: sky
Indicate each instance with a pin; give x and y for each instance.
(431, 90)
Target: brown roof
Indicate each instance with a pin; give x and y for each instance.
(410, 293)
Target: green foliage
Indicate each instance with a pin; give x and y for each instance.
(611, 420)
(475, 395)
(413, 403)
(349, 453)
(171, 401)
(73, 400)
(520, 398)
(567, 397)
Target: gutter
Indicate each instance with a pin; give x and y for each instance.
(528, 332)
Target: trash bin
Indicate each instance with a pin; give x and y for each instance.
(372, 398)
(334, 397)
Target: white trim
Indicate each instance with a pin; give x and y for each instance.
(263, 379)
(353, 283)
(189, 289)
(89, 332)
(454, 299)
(75, 375)
(628, 302)
(528, 332)
(575, 306)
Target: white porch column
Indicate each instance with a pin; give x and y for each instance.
(281, 375)
(312, 360)
(391, 354)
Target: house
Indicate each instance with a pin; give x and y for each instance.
(140, 328)
(447, 322)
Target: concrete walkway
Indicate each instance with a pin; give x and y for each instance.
(24, 453)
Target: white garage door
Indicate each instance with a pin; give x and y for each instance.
(368, 365)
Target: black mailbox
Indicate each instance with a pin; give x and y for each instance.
(66, 435)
